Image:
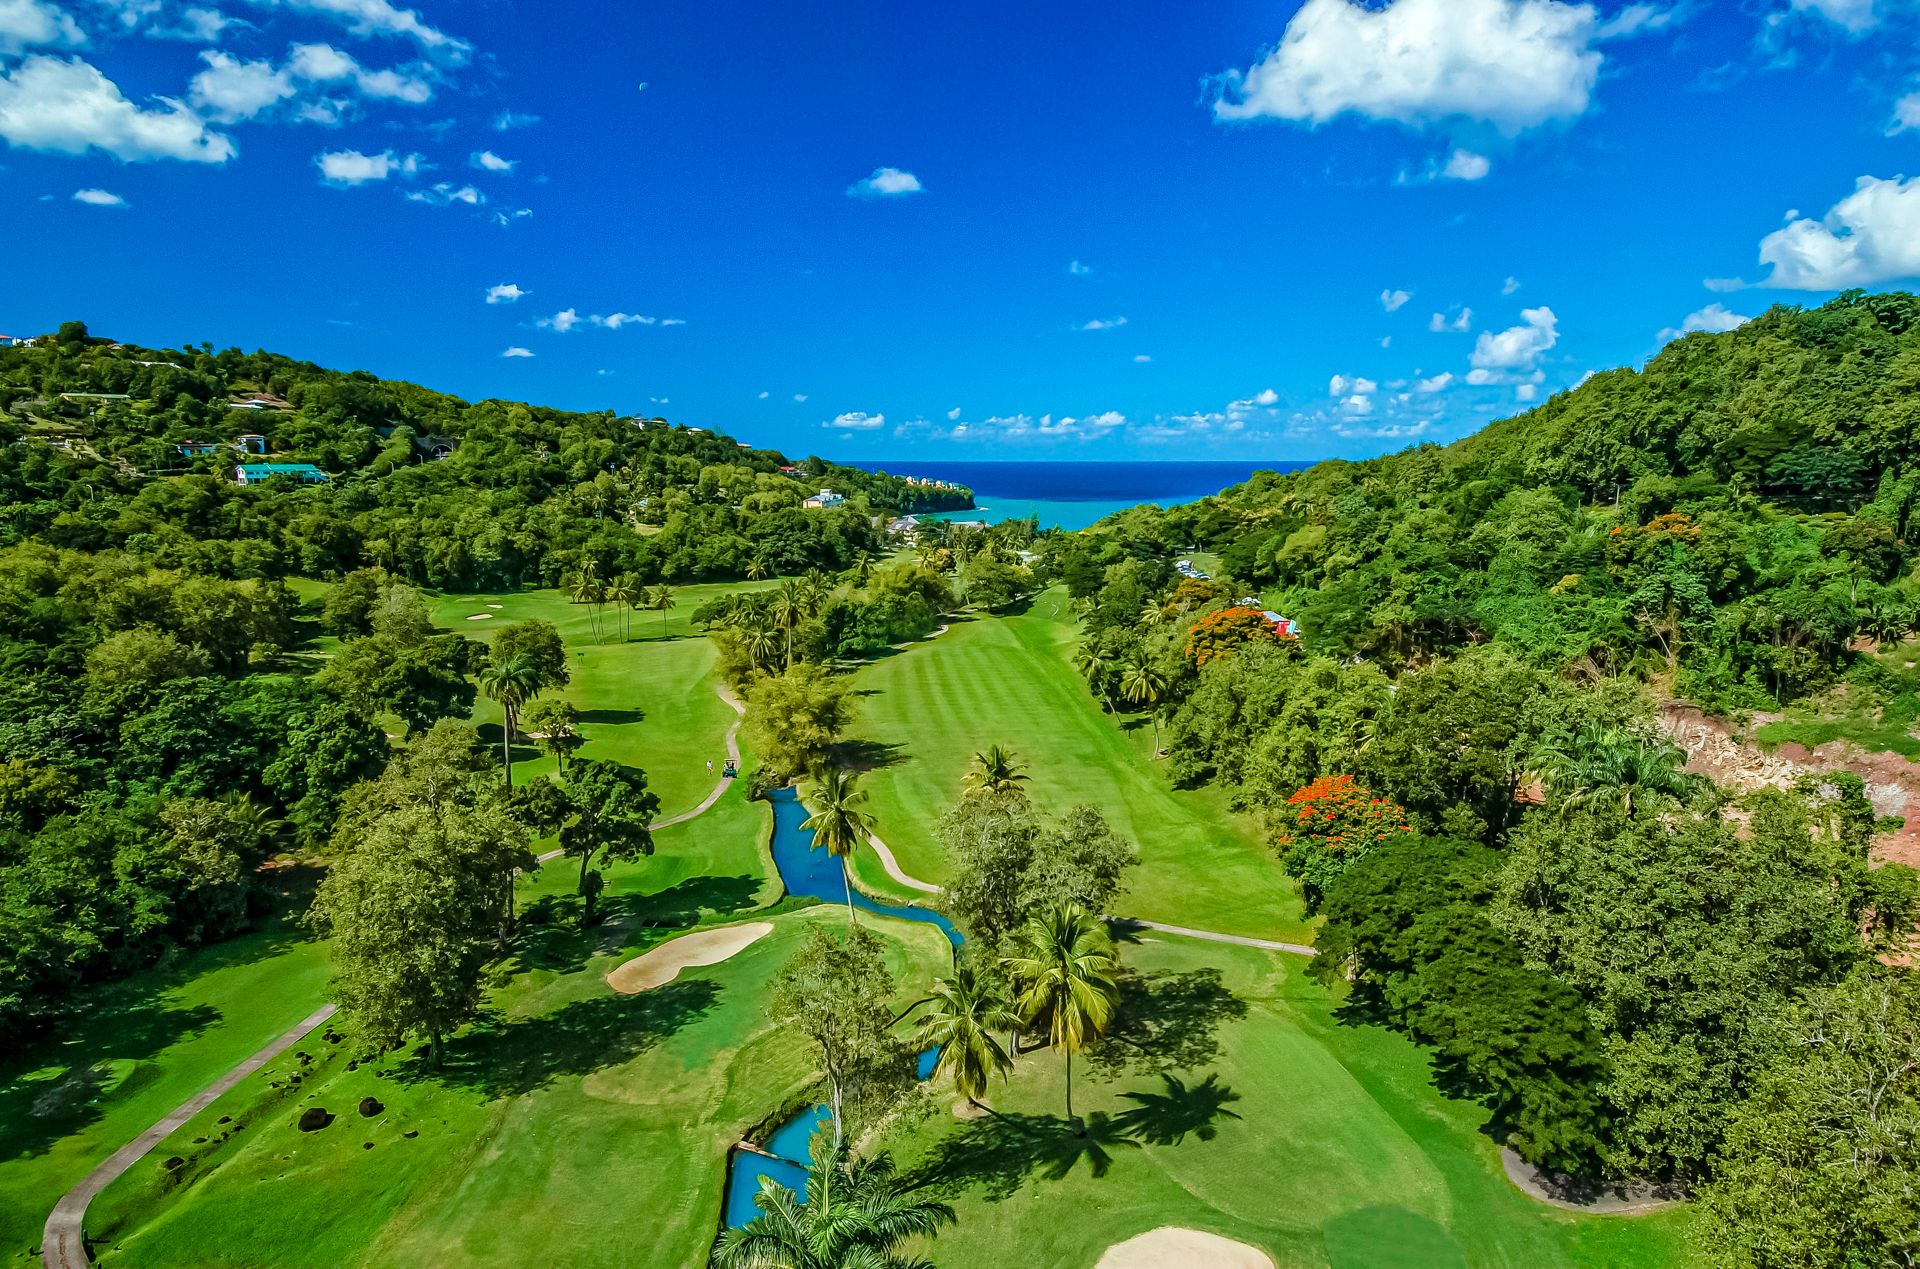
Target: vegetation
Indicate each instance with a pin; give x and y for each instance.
(1064, 972)
(857, 1212)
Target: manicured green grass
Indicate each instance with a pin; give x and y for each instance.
(1323, 1143)
(924, 713)
(574, 1126)
(1869, 734)
(135, 1050)
(647, 701)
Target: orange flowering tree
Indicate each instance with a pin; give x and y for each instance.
(1219, 633)
(1327, 825)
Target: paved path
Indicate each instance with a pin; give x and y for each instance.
(894, 870)
(64, 1243)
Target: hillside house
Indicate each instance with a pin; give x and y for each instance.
(825, 500)
(254, 473)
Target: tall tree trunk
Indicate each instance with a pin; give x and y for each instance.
(846, 880)
(506, 745)
(1069, 1053)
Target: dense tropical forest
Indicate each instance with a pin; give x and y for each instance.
(1454, 745)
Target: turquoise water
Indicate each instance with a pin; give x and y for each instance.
(1073, 495)
(813, 874)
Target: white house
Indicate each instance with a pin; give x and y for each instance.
(825, 500)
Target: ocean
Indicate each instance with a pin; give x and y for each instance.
(1070, 495)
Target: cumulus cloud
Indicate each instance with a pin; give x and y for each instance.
(195, 25)
(98, 198)
(1714, 317)
(1342, 385)
(1854, 16)
(1511, 285)
(886, 182)
(1459, 324)
(1507, 355)
(1393, 300)
(1103, 323)
(488, 161)
(856, 421)
(1438, 383)
(570, 318)
(377, 17)
(1077, 269)
(446, 193)
(1465, 165)
(1906, 115)
(26, 24)
(1511, 64)
(1141, 359)
(517, 351)
(230, 89)
(1525, 391)
(1267, 396)
(505, 293)
(953, 414)
(351, 167)
(1869, 237)
(69, 107)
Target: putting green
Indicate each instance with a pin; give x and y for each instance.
(1320, 1143)
(925, 711)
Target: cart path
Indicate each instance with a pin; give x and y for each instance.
(63, 1243)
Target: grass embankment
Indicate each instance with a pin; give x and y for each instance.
(573, 1120)
(925, 711)
(1323, 1143)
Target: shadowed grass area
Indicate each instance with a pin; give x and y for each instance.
(1270, 1123)
(1010, 681)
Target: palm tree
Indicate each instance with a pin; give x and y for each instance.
(1097, 668)
(839, 825)
(1149, 616)
(1596, 765)
(862, 571)
(623, 596)
(995, 772)
(816, 587)
(789, 610)
(966, 1010)
(1064, 969)
(1142, 684)
(588, 590)
(761, 644)
(513, 683)
(856, 1214)
(660, 601)
(756, 569)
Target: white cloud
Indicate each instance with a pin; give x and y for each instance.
(1103, 323)
(1714, 317)
(1525, 392)
(517, 351)
(1869, 237)
(325, 64)
(1267, 396)
(195, 25)
(1854, 16)
(26, 24)
(377, 17)
(1516, 350)
(98, 198)
(569, 318)
(1513, 64)
(1465, 165)
(488, 161)
(1077, 269)
(562, 322)
(1357, 405)
(445, 193)
(1339, 386)
(857, 421)
(1459, 324)
(1438, 383)
(505, 293)
(800, 398)
(351, 167)
(507, 121)
(69, 107)
(1636, 18)
(1393, 300)
(230, 89)
(763, 395)
(1510, 286)
(1906, 115)
(886, 182)
(953, 414)
(1141, 359)
(505, 218)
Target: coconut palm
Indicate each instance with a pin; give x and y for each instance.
(1097, 668)
(789, 610)
(660, 599)
(624, 596)
(862, 571)
(1597, 765)
(757, 570)
(838, 824)
(856, 1214)
(995, 772)
(815, 589)
(965, 1012)
(1064, 972)
(512, 682)
(1142, 684)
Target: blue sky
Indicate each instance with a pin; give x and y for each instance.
(1113, 230)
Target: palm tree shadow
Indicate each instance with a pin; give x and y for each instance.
(612, 716)
(1166, 1118)
(998, 1155)
(1166, 1022)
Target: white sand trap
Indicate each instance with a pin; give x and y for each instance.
(481, 616)
(663, 964)
(496, 606)
(1171, 1247)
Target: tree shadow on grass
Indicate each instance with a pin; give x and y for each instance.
(502, 1057)
(869, 755)
(999, 1154)
(1166, 1022)
(1166, 1118)
(549, 935)
(612, 716)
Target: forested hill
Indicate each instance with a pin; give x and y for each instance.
(1733, 514)
(111, 446)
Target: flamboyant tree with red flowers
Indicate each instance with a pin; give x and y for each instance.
(1327, 825)
(1219, 633)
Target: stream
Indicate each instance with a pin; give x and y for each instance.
(813, 874)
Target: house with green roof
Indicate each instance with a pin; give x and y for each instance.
(254, 473)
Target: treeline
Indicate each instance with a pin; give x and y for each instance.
(525, 496)
(1452, 743)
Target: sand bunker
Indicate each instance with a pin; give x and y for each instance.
(1170, 1247)
(663, 964)
(496, 606)
(481, 616)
